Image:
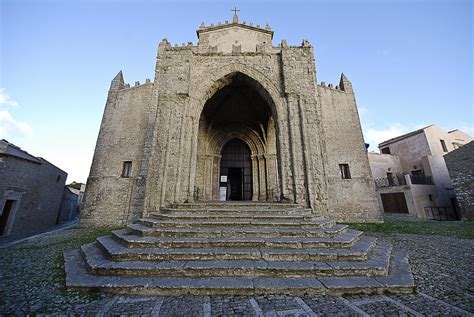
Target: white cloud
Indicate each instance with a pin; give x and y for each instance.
(469, 129)
(5, 99)
(362, 110)
(11, 128)
(375, 136)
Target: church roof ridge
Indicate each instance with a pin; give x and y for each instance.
(235, 22)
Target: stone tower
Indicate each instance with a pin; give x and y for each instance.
(233, 118)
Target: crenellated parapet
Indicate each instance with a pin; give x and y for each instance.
(118, 83)
(344, 85)
(231, 39)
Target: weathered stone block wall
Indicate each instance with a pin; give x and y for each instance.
(354, 199)
(303, 117)
(188, 77)
(40, 186)
(121, 138)
(460, 165)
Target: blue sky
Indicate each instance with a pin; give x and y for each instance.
(410, 61)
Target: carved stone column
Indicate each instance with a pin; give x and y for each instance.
(255, 183)
(272, 178)
(216, 176)
(262, 194)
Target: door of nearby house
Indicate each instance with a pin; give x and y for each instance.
(455, 205)
(5, 215)
(394, 202)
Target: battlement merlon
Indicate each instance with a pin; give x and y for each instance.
(118, 83)
(344, 85)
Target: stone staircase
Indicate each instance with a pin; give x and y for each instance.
(238, 249)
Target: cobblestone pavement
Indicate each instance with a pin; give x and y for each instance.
(32, 283)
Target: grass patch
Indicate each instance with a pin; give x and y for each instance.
(454, 229)
(83, 236)
(87, 236)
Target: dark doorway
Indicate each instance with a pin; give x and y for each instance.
(4, 217)
(455, 205)
(394, 202)
(236, 164)
(235, 183)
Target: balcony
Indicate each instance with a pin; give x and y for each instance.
(421, 180)
(397, 180)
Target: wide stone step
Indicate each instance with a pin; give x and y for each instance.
(155, 223)
(399, 280)
(144, 230)
(239, 209)
(118, 252)
(345, 240)
(199, 216)
(236, 206)
(376, 265)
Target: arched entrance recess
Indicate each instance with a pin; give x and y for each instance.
(237, 110)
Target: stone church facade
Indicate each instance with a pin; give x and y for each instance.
(231, 118)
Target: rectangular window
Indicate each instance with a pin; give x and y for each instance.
(391, 182)
(443, 145)
(127, 169)
(345, 173)
(417, 173)
(430, 197)
(386, 150)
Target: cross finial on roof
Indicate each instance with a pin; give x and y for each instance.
(235, 10)
(235, 19)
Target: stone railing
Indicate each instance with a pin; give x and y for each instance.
(396, 180)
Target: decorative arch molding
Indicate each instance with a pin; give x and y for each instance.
(246, 134)
(219, 78)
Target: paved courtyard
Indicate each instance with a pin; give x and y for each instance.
(32, 283)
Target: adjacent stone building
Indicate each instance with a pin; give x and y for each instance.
(411, 175)
(31, 191)
(232, 118)
(70, 204)
(460, 163)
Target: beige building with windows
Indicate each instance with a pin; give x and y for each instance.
(411, 175)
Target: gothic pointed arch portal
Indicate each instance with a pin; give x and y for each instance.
(237, 117)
